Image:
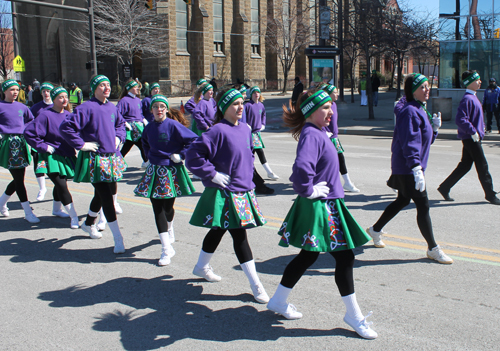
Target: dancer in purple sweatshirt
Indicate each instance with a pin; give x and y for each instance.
(146, 103)
(56, 157)
(319, 221)
(96, 128)
(414, 133)
(165, 142)
(470, 122)
(204, 112)
(222, 157)
(14, 152)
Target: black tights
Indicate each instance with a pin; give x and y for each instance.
(164, 212)
(128, 145)
(103, 197)
(17, 185)
(60, 192)
(344, 265)
(423, 217)
(240, 243)
(262, 157)
(342, 166)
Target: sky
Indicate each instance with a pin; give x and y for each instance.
(423, 6)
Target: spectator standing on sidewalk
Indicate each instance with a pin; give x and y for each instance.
(375, 85)
(362, 89)
(490, 104)
(470, 122)
(297, 90)
(414, 133)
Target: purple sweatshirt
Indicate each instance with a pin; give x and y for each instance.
(13, 117)
(255, 115)
(162, 139)
(41, 105)
(204, 114)
(190, 105)
(314, 163)
(399, 106)
(146, 109)
(44, 131)
(469, 117)
(94, 121)
(130, 108)
(225, 148)
(412, 139)
(333, 127)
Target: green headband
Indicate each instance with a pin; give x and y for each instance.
(158, 98)
(418, 80)
(200, 82)
(56, 91)
(131, 84)
(94, 83)
(243, 89)
(253, 90)
(313, 102)
(46, 86)
(8, 83)
(228, 98)
(472, 78)
(206, 88)
(155, 85)
(329, 88)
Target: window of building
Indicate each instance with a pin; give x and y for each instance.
(312, 21)
(218, 17)
(181, 20)
(255, 26)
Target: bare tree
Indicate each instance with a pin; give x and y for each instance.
(287, 34)
(352, 53)
(6, 40)
(124, 29)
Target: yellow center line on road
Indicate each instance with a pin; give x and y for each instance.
(275, 223)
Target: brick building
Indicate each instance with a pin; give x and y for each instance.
(225, 38)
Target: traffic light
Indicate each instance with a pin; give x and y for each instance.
(496, 33)
(149, 4)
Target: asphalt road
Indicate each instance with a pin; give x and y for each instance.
(64, 291)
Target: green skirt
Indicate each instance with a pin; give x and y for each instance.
(321, 226)
(195, 130)
(165, 182)
(257, 141)
(227, 210)
(338, 145)
(97, 168)
(14, 152)
(48, 163)
(136, 133)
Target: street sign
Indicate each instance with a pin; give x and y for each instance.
(18, 64)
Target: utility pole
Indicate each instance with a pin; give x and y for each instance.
(340, 17)
(322, 42)
(93, 54)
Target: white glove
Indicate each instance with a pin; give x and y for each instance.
(128, 126)
(117, 142)
(263, 127)
(319, 190)
(50, 149)
(329, 135)
(419, 178)
(145, 121)
(222, 179)
(1, 136)
(436, 121)
(176, 158)
(90, 146)
(475, 137)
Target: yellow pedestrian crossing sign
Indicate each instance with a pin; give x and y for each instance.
(18, 64)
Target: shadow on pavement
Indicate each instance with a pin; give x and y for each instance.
(179, 313)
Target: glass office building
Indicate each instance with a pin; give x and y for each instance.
(468, 39)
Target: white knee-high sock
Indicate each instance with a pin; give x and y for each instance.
(115, 198)
(70, 208)
(204, 259)
(171, 231)
(56, 206)
(352, 307)
(117, 236)
(165, 241)
(347, 180)
(102, 218)
(251, 272)
(267, 168)
(3, 199)
(281, 294)
(27, 208)
(41, 182)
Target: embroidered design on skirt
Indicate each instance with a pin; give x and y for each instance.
(336, 234)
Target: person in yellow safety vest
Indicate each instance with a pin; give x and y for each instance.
(75, 95)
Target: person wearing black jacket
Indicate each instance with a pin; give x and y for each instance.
(375, 85)
(297, 90)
